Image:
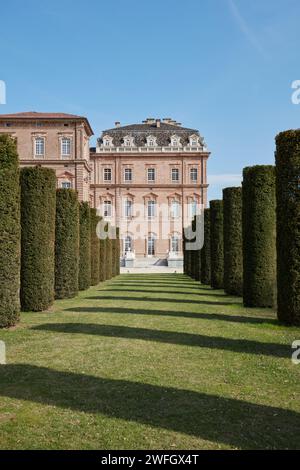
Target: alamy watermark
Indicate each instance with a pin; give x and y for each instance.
(296, 353)
(2, 92)
(296, 93)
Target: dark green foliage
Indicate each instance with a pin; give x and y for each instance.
(233, 241)
(10, 232)
(205, 252)
(118, 253)
(66, 244)
(84, 277)
(38, 196)
(103, 260)
(216, 244)
(114, 256)
(259, 236)
(288, 226)
(108, 255)
(95, 248)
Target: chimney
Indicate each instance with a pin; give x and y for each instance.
(157, 122)
(117, 124)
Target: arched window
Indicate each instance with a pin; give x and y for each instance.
(151, 141)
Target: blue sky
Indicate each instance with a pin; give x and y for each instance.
(222, 66)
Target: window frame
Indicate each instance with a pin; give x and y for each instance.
(62, 145)
(43, 140)
(128, 171)
(109, 170)
(173, 171)
(107, 203)
(151, 180)
(193, 170)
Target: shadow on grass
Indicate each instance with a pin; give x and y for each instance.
(160, 299)
(175, 291)
(180, 314)
(171, 337)
(211, 417)
(192, 286)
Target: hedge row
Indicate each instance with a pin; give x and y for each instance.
(10, 232)
(84, 280)
(259, 236)
(95, 249)
(233, 241)
(288, 226)
(66, 244)
(38, 187)
(205, 252)
(216, 244)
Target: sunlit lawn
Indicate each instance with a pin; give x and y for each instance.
(150, 361)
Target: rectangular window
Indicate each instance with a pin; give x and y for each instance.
(194, 174)
(65, 147)
(175, 209)
(151, 174)
(107, 209)
(151, 209)
(66, 185)
(128, 175)
(128, 208)
(192, 208)
(39, 147)
(175, 175)
(107, 174)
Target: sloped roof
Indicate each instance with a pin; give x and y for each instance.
(140, 132)
(38, 115)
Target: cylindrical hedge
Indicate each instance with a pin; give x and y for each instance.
(216, 244)
(38, 206)
(288, 226)
(10, 233)
(233, 241)
(205, 252)
(118, 252)
(102, 264)
(84, 277)
(259, 236)
(114, 255)
(108, 256)
(95, 248)
(66, 244)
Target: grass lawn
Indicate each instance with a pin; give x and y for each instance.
(150, 361)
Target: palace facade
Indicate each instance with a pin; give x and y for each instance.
(149, 179)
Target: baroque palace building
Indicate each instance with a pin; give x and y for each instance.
(149, 179)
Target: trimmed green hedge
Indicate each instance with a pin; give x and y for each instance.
(10, 233)
(216, 244)
(205, 252)
(114, 256)
(38, 206)
(259, 236)
(118, 253)
(66, 244)
(233, 241)
(84, 277)
(95, 248)
(102, 260)
(108, 256)
(288, 226)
